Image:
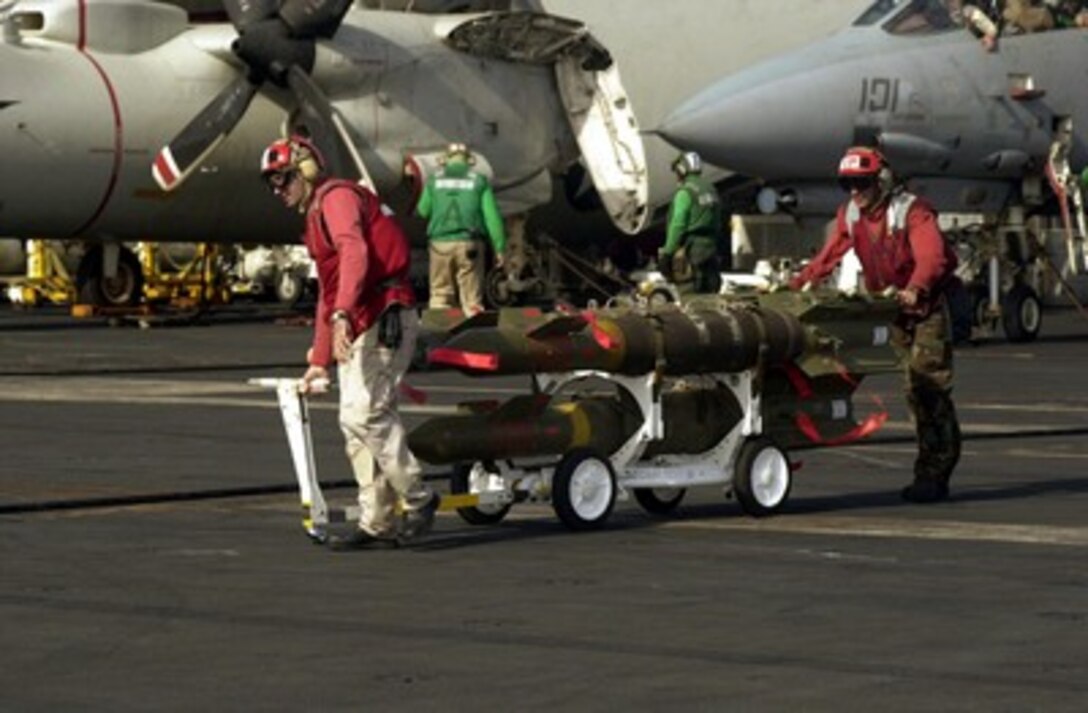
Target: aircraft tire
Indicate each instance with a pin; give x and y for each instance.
(583, 489)
(980, 315)
(497, 290)
(123, 290)
(1021, 314)
(289, 287)
(762, 478)
(483, 515)
(659, 501)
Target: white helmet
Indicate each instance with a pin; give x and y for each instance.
(687, 163)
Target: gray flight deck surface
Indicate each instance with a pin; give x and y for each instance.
(151, 556)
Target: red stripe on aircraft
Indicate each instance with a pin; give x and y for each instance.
(162, 165)
(117, 124)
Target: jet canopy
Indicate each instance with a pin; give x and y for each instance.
(909, 17)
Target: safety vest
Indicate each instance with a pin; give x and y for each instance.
(388, 255)
(705, 220)
(456, 212)
(898, 208)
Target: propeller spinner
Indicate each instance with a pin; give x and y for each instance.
(277, 43)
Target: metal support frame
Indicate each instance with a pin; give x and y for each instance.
(504, 482)
(295, 410)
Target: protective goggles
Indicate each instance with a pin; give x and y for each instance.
(857, 183)
(278, 180)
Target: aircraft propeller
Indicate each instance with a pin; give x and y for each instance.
(277, 42)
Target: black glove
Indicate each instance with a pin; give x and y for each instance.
(389, 330)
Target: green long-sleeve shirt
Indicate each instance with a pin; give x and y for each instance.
(459, 204)
(696, 211)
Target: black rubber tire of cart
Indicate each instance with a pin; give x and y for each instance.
(473, 515)
(583, 489)
(762, 477)
(659, 501)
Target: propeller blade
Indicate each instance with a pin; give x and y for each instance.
(314, 18)
(177, 160)
(327, 128)
(243, 13)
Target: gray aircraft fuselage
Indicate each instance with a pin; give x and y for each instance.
(966, 124)
(84, 109)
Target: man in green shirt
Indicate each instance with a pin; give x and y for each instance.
(695, 224)
(460, 208)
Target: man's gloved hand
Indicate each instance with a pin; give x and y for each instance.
(315, 380)
(799, 284)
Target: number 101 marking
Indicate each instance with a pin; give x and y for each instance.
(879, 94)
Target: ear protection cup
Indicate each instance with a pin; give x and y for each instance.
(308, 169)
(885, 179)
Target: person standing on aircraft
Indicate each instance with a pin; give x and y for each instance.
(1069, 13)
(695, 224)
(895, 236)
(999, 16)
(365, 322)
(1029, 15)
(459, 207)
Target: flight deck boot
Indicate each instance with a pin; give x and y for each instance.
(938, 446)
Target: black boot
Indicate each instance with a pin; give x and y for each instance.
(358, 540)
(925, 491)
(417, 523)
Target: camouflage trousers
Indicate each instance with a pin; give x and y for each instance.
(926, 346)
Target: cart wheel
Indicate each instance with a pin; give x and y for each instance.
(1021, 314)
(659, 501)
(583, 489)
(480, 514)
(762, 478)
(660, 297)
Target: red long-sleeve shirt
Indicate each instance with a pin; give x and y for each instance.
(362, 258)
(916, 256)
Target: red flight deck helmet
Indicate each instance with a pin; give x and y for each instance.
(296, 153)
(862, 166)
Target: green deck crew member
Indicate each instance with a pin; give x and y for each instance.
(695, 224)
(459, 207)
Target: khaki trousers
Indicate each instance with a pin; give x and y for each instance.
(376, 441)
(457, 269)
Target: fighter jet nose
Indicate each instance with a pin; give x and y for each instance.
(761, 121)
(692, 127)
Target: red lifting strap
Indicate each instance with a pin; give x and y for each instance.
(461, 358)
(807, 426)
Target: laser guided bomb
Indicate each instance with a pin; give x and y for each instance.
(654, 399)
